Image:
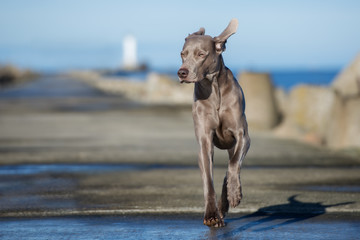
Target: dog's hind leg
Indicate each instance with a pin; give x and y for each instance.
(236, 155)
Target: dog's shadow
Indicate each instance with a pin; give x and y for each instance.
(276, 216)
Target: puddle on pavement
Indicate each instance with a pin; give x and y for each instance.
(28, 169)
(177, 227)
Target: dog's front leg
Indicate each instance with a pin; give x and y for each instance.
(212, 217)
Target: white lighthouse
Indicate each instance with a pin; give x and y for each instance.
(129, 53)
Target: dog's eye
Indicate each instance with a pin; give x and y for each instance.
(182, 54)
(201, 54)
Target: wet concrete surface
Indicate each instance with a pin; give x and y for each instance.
(58, 94)
(30, 169)
(49, 87)
(87, 189)
(125, 170)
(252, 226)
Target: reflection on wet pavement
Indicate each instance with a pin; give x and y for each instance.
(175, 227)
(48, 188)
(27, 169)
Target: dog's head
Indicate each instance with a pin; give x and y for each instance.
(201, 54)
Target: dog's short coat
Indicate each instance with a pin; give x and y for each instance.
(219, 117)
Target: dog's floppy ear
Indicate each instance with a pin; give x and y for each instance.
(200, 32)
(221, 39)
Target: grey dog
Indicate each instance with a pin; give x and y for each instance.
(219, 117)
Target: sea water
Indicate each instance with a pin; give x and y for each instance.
(289, 79)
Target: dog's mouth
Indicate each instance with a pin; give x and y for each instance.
(186, 80)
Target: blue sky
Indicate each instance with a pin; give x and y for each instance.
(57, 35)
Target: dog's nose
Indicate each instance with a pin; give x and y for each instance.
(183, 73)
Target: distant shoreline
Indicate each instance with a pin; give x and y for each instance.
(285, 79)
(11, 75)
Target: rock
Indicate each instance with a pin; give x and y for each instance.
(308, 114)
(310, 108)
(321, 116)
(352, 122)
(336, 124)
(10, 75)
(344, 127)
(261, 110)
(282, 100)
(347, 83)
(288, 129)
(157, 89)
(163, 89)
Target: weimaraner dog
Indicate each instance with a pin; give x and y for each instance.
(219, 117)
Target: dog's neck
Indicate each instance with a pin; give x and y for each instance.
(211, 83)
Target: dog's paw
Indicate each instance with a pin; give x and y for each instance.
(235, 199)
(212, 217)
(214, 221)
